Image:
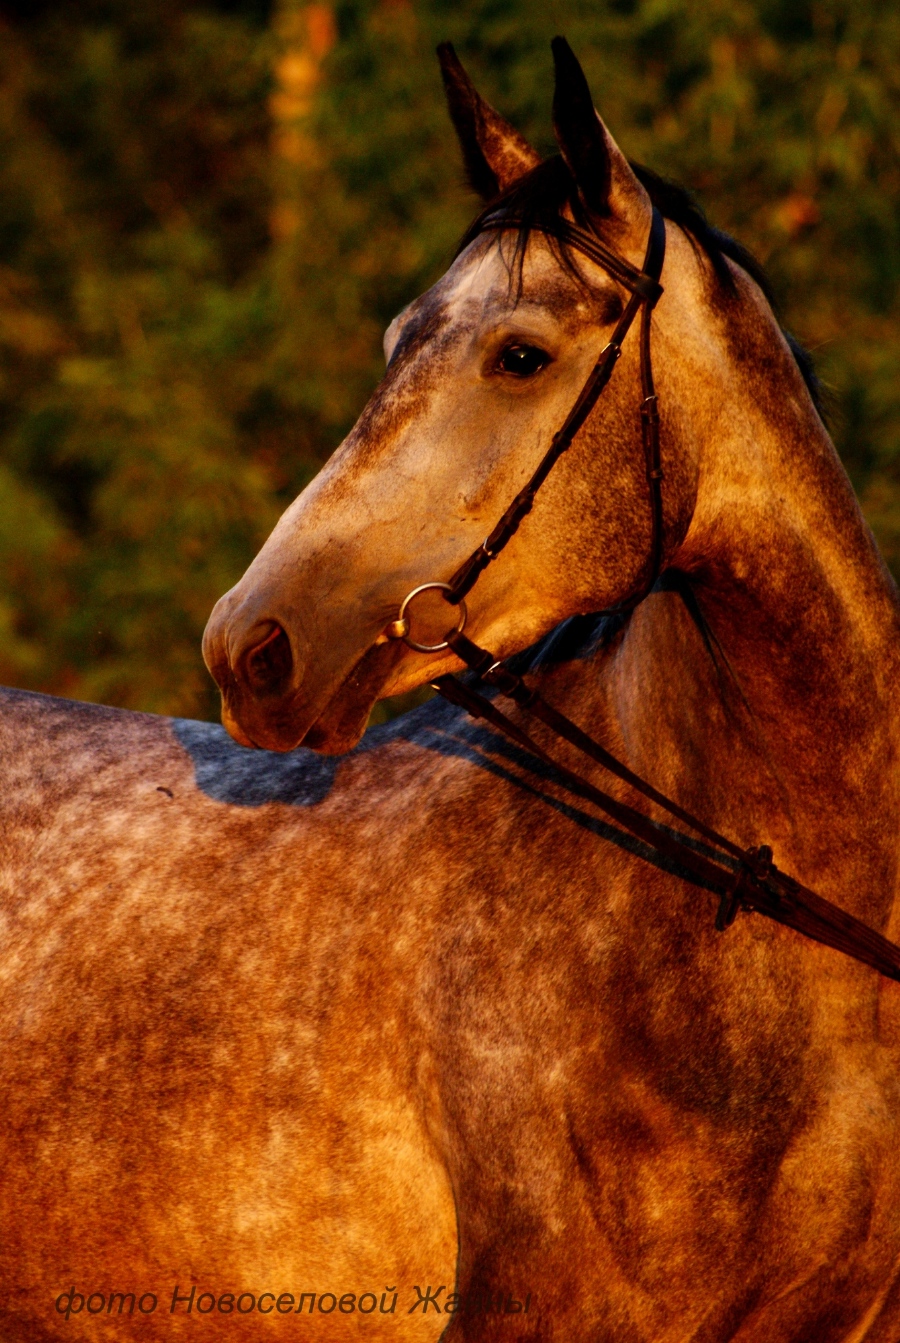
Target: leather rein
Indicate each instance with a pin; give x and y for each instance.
(743, 879)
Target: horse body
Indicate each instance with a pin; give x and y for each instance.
(415, 1016)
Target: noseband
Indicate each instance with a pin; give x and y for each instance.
(744, 879)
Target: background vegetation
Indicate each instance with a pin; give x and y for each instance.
(209, 212)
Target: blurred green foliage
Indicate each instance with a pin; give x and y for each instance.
(210, 211)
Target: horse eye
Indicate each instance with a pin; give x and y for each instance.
(523, 360)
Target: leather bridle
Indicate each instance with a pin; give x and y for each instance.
(645, 291)
(744, 879)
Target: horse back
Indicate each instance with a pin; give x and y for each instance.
(210, 1082)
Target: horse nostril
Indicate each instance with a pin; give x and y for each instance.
(268, 665)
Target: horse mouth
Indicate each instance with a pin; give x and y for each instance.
(345, 717)
(278, 717)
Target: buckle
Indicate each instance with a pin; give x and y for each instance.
(756, 865)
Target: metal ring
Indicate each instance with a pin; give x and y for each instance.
(430, 648)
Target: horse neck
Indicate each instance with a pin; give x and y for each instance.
(760, 692)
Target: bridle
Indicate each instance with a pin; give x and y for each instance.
(645, 290)
(744, 879)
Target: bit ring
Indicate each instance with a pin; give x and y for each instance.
(402, 621)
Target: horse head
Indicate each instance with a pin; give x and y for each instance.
(481, 370)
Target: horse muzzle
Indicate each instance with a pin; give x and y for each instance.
(251, 659)
(278, 693)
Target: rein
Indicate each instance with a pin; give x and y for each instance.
(744, 879)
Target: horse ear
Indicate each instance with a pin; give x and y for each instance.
(494, 153)
(579, 133)
(604, 179)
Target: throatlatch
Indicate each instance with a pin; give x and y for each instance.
(744, 879)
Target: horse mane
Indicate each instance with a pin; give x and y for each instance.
(536, 200)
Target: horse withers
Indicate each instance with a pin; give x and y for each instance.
(401, 1039)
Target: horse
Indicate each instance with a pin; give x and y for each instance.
(393, 1035)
